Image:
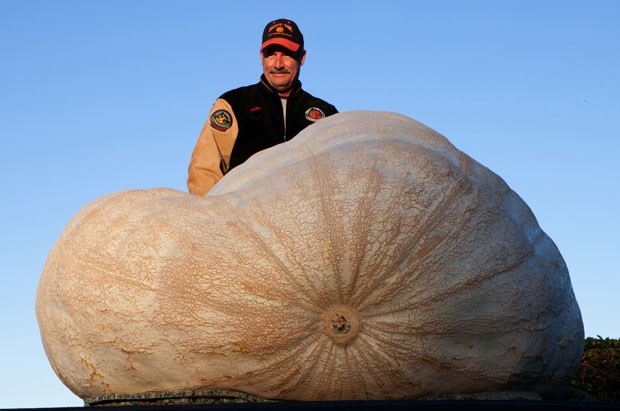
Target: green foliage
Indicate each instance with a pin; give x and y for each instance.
(599, 372)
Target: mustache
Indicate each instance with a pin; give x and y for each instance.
(279, 71)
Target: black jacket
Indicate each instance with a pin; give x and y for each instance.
(258, 110)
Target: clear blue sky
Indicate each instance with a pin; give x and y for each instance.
(102, 96)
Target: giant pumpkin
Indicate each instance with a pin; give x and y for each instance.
(368, 258)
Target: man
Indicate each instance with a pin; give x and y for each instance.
(252, 118)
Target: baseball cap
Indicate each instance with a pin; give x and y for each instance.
(285, 33)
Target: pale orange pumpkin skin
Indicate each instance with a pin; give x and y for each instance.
(365, 259)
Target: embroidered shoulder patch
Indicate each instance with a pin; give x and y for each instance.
(314, 114)
(221, 120)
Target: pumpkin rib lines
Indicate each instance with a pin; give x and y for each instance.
(404, 289)
(360, 227)
(375, 278)
(325, 378)
(364, 365)
(416, 356)
(324, 183)
(307, 354)
(364, 217)
(444, 242)
(472, 282)
(94, 268)
(351, 369)
(311, 359)
(383, 340)
(425, 226)
(368, 354)
(397, 240)
(305, 279)
(438, 208)
(440, 249)
(260, 243)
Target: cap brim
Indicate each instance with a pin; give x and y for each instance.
(292, 46)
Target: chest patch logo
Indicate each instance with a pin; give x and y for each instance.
(314, 114)
(221, 120)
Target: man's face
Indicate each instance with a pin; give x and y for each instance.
(281, 67)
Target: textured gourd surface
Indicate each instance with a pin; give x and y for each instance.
(367, 258)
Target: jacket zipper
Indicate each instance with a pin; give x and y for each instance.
(284, 104)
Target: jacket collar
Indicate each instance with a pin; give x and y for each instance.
(267, 87)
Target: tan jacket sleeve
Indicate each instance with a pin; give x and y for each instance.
(211, 156)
